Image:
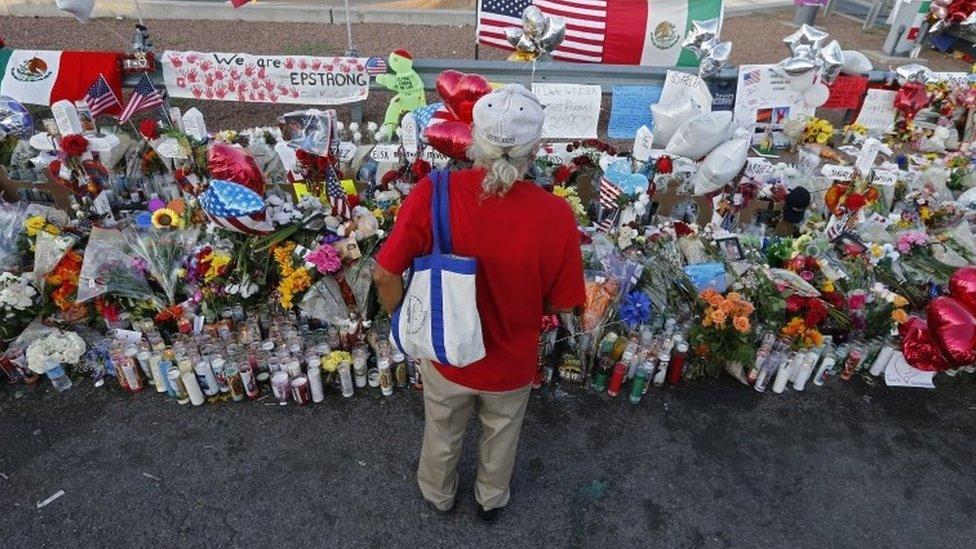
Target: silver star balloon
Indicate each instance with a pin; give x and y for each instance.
(831, 61)
(912, 73)
(805, 35)
(702, 40)
(700, 33)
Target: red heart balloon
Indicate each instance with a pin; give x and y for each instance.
(234, 164)
(911, 98)
(451, 138)
(962, 286)
(461, 91)
(919, 349)
(953, 329)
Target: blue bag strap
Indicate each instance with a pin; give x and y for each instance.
(440, 212)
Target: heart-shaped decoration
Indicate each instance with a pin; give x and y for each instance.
(953, 329)
(234, 164)
(962, 286)
(461, 91)
(919, 349)
(451, 138)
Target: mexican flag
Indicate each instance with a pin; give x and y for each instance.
(42, 77)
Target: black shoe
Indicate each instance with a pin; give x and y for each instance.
(488, 515)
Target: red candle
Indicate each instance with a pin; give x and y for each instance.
(617, 380)
(677, 366)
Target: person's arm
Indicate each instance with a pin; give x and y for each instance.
(411, 238)
(389, 288)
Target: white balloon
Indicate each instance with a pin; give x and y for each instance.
(668, 118)
(699, 135)
(817, 95)
(81, 9)
(856, 63)
(802, 82)
(721, 165)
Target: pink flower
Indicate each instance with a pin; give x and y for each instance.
(806, 275)
(326, 259)
(857, 300)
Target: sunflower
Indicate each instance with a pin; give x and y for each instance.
(165, 218)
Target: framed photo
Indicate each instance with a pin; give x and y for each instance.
(847, 243)
(731, 248)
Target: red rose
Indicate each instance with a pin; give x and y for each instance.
(681, 229)
(664, 164)
(353, 200)
(855, 201)
(816, 313)
(74, 145)
(323, 163)
(794, 303)
(54, 167)
(303, 157)
(562, 174)
(149, 129)
(811, 263)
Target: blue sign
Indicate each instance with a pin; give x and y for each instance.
(630, 108)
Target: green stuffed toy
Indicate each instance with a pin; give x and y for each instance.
(408, 86)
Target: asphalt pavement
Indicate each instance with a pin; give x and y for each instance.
(852, 464)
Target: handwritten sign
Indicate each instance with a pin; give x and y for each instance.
(572, 110)
(869, 153)
(837, 173)
(878, 112)
(846, 92)
(630, 108)
(885, 178)
(408, 134)
(763, 97)
(758, 169)
(643, 144)
(385, 152)
(347, 151)
(679, 84)
(899, 373)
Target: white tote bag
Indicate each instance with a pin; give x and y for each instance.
(438, 318)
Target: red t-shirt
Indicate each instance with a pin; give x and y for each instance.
(528, 253)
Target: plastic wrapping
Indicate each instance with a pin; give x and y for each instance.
(12, 218)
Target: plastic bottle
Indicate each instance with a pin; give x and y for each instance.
(55, 372)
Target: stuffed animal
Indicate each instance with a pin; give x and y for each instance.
(408, 86)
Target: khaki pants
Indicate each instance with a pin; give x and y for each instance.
(447, 407)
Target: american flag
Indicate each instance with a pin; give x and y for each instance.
(144, 96)
(236, 208)
(430, 115)
(586, 22)
(100, 97)
(608, 194)
(608, 221)
(337, 195)
(752, 77)
(375, 65)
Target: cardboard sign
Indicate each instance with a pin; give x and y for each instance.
(763, 97)
(630, 108)
(878, 112)
(242, 77)
(572, 110)
(869, 153)
(846, 92)
(899, 373)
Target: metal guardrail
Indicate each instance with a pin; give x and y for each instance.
(607, 76)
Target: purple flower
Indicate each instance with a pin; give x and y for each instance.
(325, 258)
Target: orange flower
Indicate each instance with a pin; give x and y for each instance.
(718, 316)
(794, 328)
(899, 316)
(741, 323)
(727, 306)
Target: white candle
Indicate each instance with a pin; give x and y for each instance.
(881, 362)
(192, 388)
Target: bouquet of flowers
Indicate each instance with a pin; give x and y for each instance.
(17, 302)
(723, 337)
(60, 346)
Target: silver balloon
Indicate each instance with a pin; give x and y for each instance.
(514, 36)
(714, 57)
(534, 22)
(805, 35)
(913, 73)
(553, 36)
(699, 34)
(526, 44)
(832, 61)
(796, 66)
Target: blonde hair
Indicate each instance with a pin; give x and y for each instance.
(503, 166)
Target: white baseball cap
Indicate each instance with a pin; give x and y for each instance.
(510, 116)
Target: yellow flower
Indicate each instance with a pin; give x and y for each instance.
(899, 316)
(165, 218)
(925, 213)
(899, 301)
(828, 286)
(52, 230)
(34, 224)
(560, 191)
(298, 281)
(217, 262)
(876, 250)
